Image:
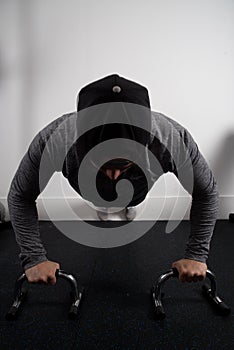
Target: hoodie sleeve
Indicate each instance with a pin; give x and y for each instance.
(22, 196)
(205, 197)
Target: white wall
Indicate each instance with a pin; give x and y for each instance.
(182, 50)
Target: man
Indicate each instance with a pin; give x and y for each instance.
(113, 109)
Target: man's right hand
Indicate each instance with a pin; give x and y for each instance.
(43, 272)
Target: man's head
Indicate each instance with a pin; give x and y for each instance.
(112, 88)
(109, 109)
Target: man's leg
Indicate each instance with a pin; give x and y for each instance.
(102, 213)
(141, 190)
(130, 210)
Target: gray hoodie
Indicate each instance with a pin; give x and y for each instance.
(170, 143)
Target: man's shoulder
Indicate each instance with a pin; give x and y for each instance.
(59, 122)
(53, 133)
(165, 128)
(161, 120)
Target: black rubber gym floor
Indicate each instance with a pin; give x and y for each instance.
(116, 310)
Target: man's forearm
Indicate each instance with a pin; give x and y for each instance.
(24, 219)
(203, 217)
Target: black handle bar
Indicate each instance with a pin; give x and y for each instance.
(20, 292)
(210, 291)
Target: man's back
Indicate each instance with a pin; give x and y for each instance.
(62, 145)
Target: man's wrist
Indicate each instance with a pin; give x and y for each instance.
(33, 261)
(195, 258)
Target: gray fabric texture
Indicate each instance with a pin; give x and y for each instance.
(171, 144)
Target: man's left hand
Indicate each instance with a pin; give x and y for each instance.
(190, 270)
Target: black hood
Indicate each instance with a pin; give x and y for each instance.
(112, 88)
(113, 107)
